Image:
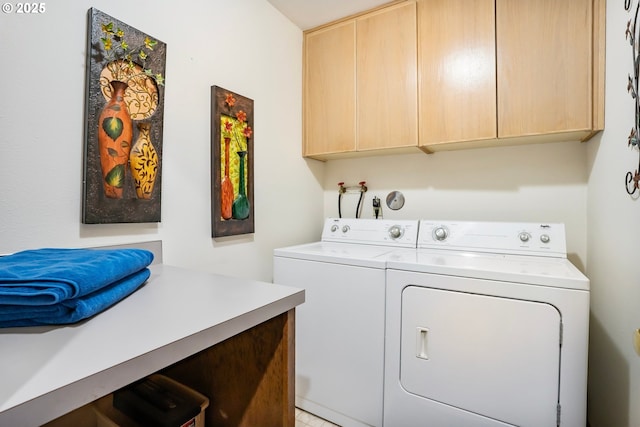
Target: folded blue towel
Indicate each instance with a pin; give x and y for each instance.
(50, 276)
(73, 310)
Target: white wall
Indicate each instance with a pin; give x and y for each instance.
(243, 45)
(537, 183)
(613, 240)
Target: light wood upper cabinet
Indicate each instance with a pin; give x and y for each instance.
(360, 84)
(503, 72)
(330, 90)
(456, 56)
(387, 79)
(454, 74)
(545, 66)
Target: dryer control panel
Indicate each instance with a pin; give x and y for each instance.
(545, 239)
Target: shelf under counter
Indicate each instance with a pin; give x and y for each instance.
(178, 315)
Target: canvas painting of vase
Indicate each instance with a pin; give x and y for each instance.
(231, 163)
(124, 119)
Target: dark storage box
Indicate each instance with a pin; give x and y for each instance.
(160, 401)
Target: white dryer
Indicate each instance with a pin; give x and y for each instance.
(340, 327)
(487, 325)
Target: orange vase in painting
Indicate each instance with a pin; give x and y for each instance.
(226, 186)
(115, 131)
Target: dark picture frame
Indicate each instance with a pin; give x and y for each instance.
(123, 123)
(232, 190)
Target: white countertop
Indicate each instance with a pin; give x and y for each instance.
(46, 372)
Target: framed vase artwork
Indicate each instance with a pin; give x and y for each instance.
(232, 139)
(123, 123)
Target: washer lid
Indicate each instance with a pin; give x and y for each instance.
(533, 270)
(339, 253)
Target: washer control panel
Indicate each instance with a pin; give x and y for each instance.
(497, 237)
(398, 233)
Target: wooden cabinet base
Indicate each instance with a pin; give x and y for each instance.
(249, 378)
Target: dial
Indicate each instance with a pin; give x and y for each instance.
(345, 228)
(440, 233)
(334, 228)
(545, 238)
(524, 237)
(395, 231)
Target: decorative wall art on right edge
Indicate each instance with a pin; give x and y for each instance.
(632, 179)
(232, 139)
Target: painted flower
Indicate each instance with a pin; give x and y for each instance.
(230, 100)
(107, 43)
(242, 118)
(148, 43)
(236, 129)
(228, 126)
(123, 59)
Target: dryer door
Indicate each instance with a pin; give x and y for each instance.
(493, 356)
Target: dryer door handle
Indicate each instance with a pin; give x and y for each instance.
(422, 335)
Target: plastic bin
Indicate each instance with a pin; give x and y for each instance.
(162, 402)
(103, 413)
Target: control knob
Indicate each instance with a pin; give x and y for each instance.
(395, 232)
(545, 238)
(440, 233)
(345, 228)
(524, 237)
(334, 228)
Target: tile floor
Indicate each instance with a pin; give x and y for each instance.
(305, 419)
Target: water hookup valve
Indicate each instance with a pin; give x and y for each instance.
(361, 187)
(341, 191)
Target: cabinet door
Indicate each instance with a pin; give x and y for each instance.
(544, 65)
(329, 90)
(386, 83)
(456, 60)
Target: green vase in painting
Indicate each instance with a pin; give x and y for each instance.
(241, 203)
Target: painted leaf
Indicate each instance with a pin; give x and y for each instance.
(112, 152)
(113, 127)
(115, 177)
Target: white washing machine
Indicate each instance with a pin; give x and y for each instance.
(340, 327)
(487, 325)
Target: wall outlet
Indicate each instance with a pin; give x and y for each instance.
(636, 341)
